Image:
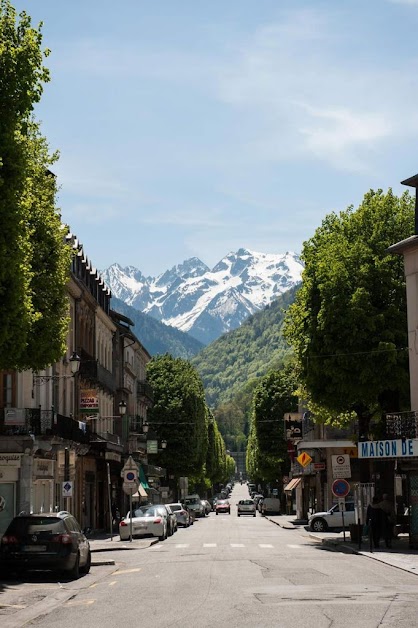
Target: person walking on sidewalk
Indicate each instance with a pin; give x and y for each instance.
(374, 517)
(388, 520)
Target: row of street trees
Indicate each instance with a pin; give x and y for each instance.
(195, 447)
(347, 329)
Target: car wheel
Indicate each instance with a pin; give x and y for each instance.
(164, 535)
(87, 566)
(74, 573)
(254, 515)
(217, 513)
(319, 525)
(238, 514)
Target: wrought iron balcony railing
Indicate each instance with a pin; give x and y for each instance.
(401, 425)
(43, 423)
(145, 393)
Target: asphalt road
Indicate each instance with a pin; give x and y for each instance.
(236, 572)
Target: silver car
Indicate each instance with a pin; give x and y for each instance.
(182, 515)
(246, 507)
(146, 521)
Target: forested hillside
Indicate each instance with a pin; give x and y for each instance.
(156, 337)
(232, 361)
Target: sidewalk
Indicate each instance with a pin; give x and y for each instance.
(399, 556)
(103, 543)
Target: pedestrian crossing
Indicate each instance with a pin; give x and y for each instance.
(214, 545)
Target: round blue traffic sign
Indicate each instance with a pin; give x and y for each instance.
(130, 476)
(340, 488)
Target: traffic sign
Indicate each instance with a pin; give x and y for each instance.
(130, 488)
(131, 476)
(67, 489)
(130, 465)
(341, 504)
(304, 459)
(340, 488)
(341, 467)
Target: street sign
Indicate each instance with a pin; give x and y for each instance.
(130, 488)
(130, 465)
(304, 459)
(341, 467)
(340, 488)
(319, 466)
(131, 476)
(67, 489)
(341, 504)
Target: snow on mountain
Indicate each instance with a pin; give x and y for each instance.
(207, 303)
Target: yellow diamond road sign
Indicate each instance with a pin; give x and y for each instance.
(304, 459)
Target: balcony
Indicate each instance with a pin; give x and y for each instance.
(144, 393)
(97, 375)
(104, 428)
(401, 425)
(44, 423)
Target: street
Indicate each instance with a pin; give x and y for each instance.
(236, 571)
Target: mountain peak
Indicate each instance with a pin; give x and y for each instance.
(207, 303)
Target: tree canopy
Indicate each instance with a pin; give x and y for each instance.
(34, 259)
(267, 446)
(348, 325)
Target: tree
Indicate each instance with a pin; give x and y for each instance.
(267, 447)
(179, 415)
(348, 324)
(34, 259)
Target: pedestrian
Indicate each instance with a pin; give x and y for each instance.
(388, 519)
(374, 517)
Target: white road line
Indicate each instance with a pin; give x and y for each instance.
(265, 546)
(237, 545)
(295, 546)
(209, 544)
(182, 545)
(121, 571)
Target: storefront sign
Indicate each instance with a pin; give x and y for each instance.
(111, 455)
(152, 447)
(293, 425)
(14, 416)
(388, 448)
(43, 468)
(89, 401)
(10, 460)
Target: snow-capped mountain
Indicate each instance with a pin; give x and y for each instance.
(207, 303)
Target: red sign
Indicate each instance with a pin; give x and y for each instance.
(340, 488)
(319, 466)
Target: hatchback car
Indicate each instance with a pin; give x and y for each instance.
(246, 507)
(146, 521)
(223, 505)
(332, 518)
(51, 541)
(182, 515)
(193, 502)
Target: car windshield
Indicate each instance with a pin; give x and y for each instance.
(35, 525)
(149, 511)
(222, 501)
(175, 507)
(192, 501)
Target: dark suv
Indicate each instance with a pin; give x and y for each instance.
(52, 541)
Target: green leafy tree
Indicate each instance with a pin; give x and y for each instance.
(179, 415)
(267, 447)
(348, 324)
(34, 259)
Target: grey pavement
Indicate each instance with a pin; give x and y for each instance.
(400, 555)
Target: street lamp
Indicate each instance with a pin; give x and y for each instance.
(74, 366)
(122, 408)
(145, 427)
(163, 444)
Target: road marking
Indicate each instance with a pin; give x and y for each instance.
(112, 583)
(92, 586)
(209, 545)
(182, 545)
(265, 546)
(80, 603)
(237, 545)
(295, 546)
(118, 573)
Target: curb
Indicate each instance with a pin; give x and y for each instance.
(286, 525)
(121, 548)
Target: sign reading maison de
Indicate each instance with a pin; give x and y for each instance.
(405, 448)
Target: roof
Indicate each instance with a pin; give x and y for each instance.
(412, 181)
(404, 245)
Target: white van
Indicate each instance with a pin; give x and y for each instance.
(271, 506)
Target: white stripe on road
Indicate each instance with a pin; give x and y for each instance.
(209, 544)
(182, 545)
(237, 545)
(265, 546)
(295, 546)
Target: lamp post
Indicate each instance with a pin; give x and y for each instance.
(74, 366)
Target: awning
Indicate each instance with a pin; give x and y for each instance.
(292, 484)
(142, 478)
(141, 492)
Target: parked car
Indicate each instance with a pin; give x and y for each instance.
(172, 519)
(271, 506)
(223, 505)
(257, 497)
(206, 505)
(146, 521)
(246, 507)
(195, 503)
(182, 515)
(52, 541)
(332, 518)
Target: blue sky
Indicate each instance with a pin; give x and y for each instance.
(191, 128)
